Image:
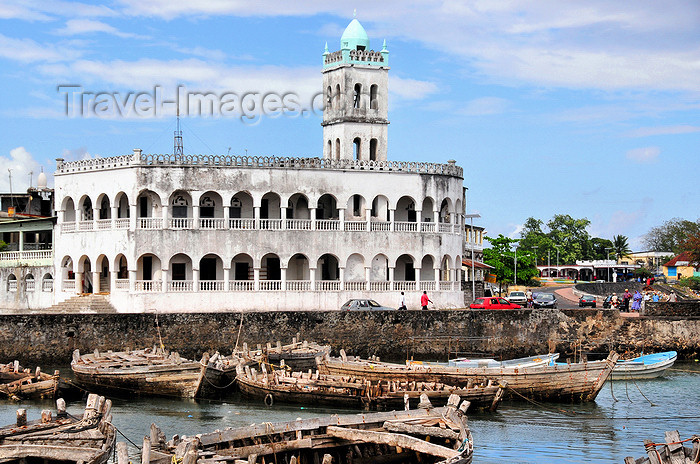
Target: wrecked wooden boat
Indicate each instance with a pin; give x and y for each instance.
(299, 356)
(151, 372)
(673, 451)
(648, 366)
(578, 382)
(13, 371)
(282, 386)
(530, 361)
(29, 385)
(427, 436)
(62, 439)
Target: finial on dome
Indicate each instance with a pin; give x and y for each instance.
(354, 13)
(325, 51)
(384, 45)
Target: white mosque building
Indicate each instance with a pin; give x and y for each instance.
(215, 233)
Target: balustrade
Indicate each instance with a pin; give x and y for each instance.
(104, 224)
(180, 286)
(67, 227)
(241, 286)
(427, 227)
(270, 285)
(327, 285)
(427, 286)
(85, 225)
(355, 286)
(380, 226)
(121, 284)
(405, 285)
(327, 224)
(69, 285)
(149, 223)
(30, 285)
(299, 224)
(12, 286)
(445, 228)
(212, 223)
(298, 285)
(181, 223)
(446, 285)
(211, 285)
(270, 224)
(355, 225)
(239, 223)
(47, 285)
(383, 286)
(401, 226)
(148, 285)
(121, 223)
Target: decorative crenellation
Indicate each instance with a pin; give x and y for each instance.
(267, 162)
(355, 56)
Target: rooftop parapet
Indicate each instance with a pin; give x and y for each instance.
(260, 162)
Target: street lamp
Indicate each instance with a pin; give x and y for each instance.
(471, 240)
(515, 267)
(608, 264)
(549, 265)
(557, 247)
(535, 247)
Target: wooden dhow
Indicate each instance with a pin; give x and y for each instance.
(427, 436)
(673, 451)
(279, 385)
(31, 385)
(150, 372)
(578, 382)
(63, 439)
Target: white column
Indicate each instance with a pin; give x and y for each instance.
(96, 282)
(437, 278)
(313, 218)
(78, 283)
(21, 240)
(164, 277)
(195, 216)
(341, 218)
(227, 272)
(227, 221)
(132, 217)
(166, 216)
(132, 280)
(391, 219)
(95, 217)
(115, 213)
(112, 279)
(283, 216)
(391, 278)
(436, 219)
(342, 277)
(312, 276)
(368, 271)
(195, 279)
(368, 217)
(283, 272)
(256, 272)
(256, 210)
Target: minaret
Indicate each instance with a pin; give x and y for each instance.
(178, 149)
(355, 116)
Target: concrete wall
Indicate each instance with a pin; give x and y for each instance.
(23, 296)
(391, 334)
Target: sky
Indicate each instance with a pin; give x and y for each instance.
(587, 108)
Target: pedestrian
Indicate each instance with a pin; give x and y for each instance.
(424, 300)
(626, 297)
(672, 297)
(647, 298)
(615, 302)
(636, 301)
(528, 295)
(655, 297)
(402, 302)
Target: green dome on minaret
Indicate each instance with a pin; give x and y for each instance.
(354, 36)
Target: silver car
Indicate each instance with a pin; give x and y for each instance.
(517, 297)
(361, 304)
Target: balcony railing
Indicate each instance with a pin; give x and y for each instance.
(446, 285)
(270, 224)
(30, 285)
(148, 286)
(85, 225)
(181, 223)
(355, 286)
(380, 226)
(211, 285)
(239, 224)
(180, 285)
(355, 226)
(47, 285)
(327, 285)
(427, 227)
(104, 224)
(212, 223)
(383, 286)
(298, 285)
(121, 223)
(69, 285)
(427, 286)
(404, 285)
(121, 284)
(149, 223)
(299, 224)
(327, 224)
(241, 286)
(270, 285)
(400, 226)
(12, 286)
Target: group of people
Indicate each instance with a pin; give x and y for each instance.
(636, 302)
(424, 300)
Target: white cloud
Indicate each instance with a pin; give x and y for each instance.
(518, 228)
(643, 155)
(76, 154)
(20, 163)
(88, 26)
(484, 106)
(411, 89)
(27, 51)
(664, 130)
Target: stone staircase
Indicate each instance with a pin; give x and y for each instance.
(84, 304)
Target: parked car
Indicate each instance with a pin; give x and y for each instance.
(493, 303)
(517, 297)
(587, 300)
(545, 300)
(363, 305)
(607, 302)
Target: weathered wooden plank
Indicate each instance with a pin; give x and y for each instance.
(265, 449)
(676, 454)
(58, 453)
(400, 427)
(392, 439)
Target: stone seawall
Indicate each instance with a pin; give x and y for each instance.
(45, 338)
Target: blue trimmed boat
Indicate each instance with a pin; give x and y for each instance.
(647, 366)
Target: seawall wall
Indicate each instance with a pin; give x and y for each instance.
(51, 338)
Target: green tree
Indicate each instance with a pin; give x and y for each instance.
(3, 245)
(671, 235)
(621, 246)
(598, 248)
(502, 255)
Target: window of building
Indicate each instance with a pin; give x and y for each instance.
(373, 103)
(241, 271)
(373, 150)
(356, 148)
(357, 96)
(179, 271)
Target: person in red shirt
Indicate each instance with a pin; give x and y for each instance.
(424, 300)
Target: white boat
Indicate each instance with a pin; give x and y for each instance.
(530, 361)
(648, 366)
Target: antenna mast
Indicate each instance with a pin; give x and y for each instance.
(178, 150)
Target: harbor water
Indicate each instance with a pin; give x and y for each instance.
(604, 431)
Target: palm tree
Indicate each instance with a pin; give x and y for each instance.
(620, 246)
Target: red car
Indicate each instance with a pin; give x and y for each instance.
(493, 303)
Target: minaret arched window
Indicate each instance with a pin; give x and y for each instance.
(337, 149)
(329, 98)
(330, 149)
(373, 103)
(337, 96)
(373, 150)
(357, 145)
(357, 96)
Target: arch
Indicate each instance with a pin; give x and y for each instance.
(67, 272)
(445, 268)
(68, 210)
(148, 268)
(357, 96)
(85, 268)
(427, 214)
(337, 149)
(241, 206)
(327, 207)
(427, 268)
(405, 210)
(373, 149)
(211, 272)
(445, 211)
(329, 98)
(211, 205)
(337, 96)
(355, 208)
(298, 267)
(459, 211)
(328, 267)
(404, 269)
(11, 285)
(104, 206)
(357, 148)
(379, 268)
(47, 282)
(373, 93)
(121, 201)
(180, 274)
(120, 266)
(102, 266)
(29, 283)
(85, 207)
(270, 206)
(241, 268)
(148, 204)
(180, 204)
(270, 267)
(457, 267)
(355, 268)
(298, 207)
(330, 149)
(380, 208)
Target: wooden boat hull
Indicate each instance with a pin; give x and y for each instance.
(301, 360)
(577, 382)
(183, 383)
(639, 368)
(31, 388)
